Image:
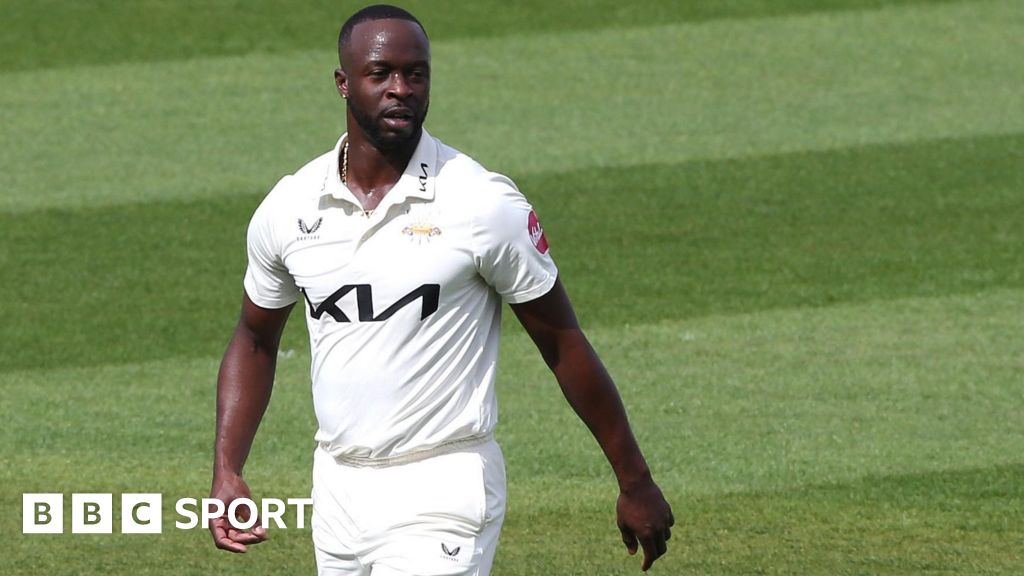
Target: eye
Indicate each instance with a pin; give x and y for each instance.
(378, 73)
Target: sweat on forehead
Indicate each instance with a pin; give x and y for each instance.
(370, 14)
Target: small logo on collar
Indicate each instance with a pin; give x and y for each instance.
(423, 178)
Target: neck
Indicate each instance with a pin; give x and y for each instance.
(373, 170)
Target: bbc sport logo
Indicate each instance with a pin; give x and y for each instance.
(142, 513)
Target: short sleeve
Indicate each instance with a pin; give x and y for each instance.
(510, 249)
(267, 281)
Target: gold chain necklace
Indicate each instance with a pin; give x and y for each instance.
(344, 164)
(344, 175)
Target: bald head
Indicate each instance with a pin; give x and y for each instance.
(370, 14)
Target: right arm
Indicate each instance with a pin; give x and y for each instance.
(244, 384)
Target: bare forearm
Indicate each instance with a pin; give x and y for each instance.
(244, 385)
(593, 396)
(643, 515)
(551, 323)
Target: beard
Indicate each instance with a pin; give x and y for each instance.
(384, 139)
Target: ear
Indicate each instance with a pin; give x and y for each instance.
(341, 82)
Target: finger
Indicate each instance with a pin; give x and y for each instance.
(226, 537)
(650, 553)
(222, 540)
(248, 536)
(245, 537)
(218, 529)
(253, 535)
(226, 543)
(660, 548)
(629, 539)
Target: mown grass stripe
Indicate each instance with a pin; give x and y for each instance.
(807, 229)
(52, 34)
(635, 245)
(877, 437)
(611, 98)
(759, 401)
(964, 521)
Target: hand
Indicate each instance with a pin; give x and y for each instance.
(645, 520)
(225, 535)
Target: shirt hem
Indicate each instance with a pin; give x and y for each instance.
(415, 456)
(268, 303)
(532, 294)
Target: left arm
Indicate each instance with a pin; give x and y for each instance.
(644, 516)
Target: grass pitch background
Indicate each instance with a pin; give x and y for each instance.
(793, 230)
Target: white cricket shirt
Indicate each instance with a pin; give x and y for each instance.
(403, 306)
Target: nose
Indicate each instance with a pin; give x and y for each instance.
(398, 86)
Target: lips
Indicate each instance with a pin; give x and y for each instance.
(398, 118)
(398, 113)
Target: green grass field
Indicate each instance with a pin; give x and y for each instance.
(793, 229)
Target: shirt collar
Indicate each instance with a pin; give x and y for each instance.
(416, 182)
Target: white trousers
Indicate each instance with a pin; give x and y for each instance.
(439, 516)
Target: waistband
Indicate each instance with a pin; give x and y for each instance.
(409, 457)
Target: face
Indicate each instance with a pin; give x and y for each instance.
(385, 77)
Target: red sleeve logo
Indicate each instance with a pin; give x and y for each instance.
(537, 233)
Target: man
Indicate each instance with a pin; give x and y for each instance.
(402, 250)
